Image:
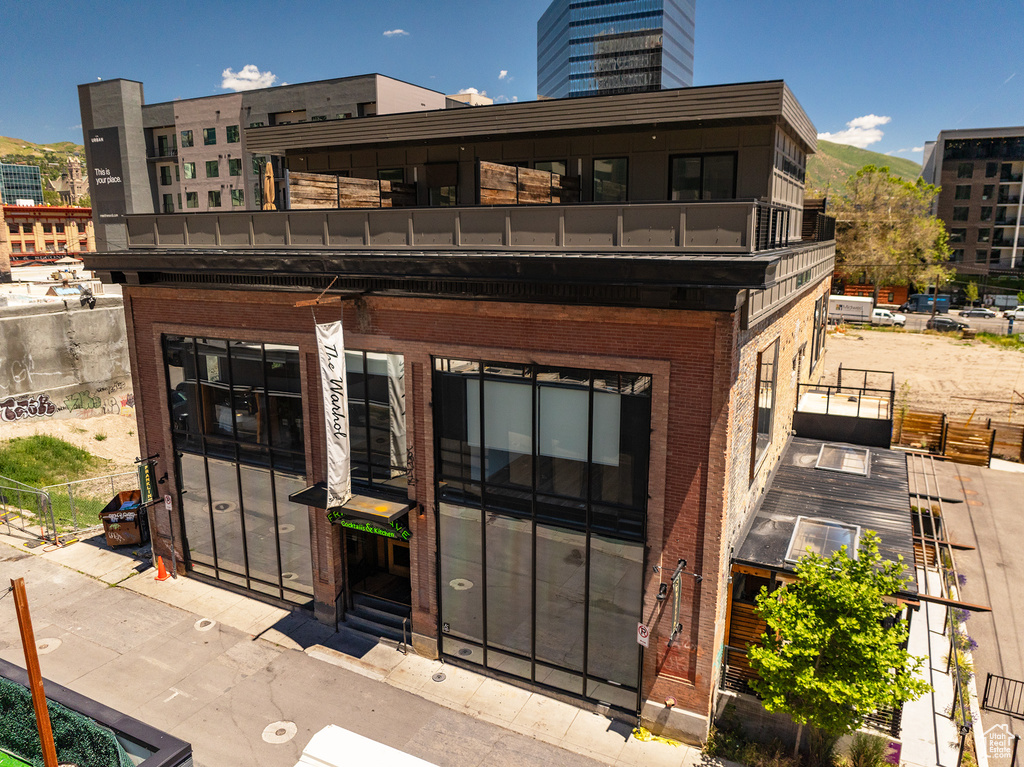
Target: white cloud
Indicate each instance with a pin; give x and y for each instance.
(395, 33)
(917, 149)
(860, 132)
(515, 99)
(473, 90)
(503, 74)
(249, 78)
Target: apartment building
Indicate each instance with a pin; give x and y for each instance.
(981, 172)
(190, 155)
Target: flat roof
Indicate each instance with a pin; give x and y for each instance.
(289, 86)
(879, 502)
(766, 101)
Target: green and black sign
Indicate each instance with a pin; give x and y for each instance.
(147, 481)
(386, 529)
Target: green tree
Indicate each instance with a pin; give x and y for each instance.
(826, 658)
(886, 232)
(971, 292)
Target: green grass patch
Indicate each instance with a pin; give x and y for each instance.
(41, 460)
(1000, 340)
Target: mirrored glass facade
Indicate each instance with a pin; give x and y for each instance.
(237, 425)
(600, 47)
(542, 481)
(20, 182)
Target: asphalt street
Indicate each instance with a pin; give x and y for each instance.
(220, 688)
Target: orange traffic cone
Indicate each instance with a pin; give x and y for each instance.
(161, 571)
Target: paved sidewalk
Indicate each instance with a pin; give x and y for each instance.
(215, 668)
(986, 512)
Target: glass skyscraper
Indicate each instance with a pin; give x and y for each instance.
(600, 47)
(20, 182)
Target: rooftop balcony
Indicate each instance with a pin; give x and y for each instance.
(726, 227)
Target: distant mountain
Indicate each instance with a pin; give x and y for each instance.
(834, 163)
(51, 158)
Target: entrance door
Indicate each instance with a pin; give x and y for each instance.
(378, 566)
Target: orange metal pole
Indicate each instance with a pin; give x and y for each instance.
(35, 678)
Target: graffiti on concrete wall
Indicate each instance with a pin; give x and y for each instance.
(81, 400)
(83, 403)
(12, 409)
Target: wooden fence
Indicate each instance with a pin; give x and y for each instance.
(508, 185)
(318, 190)
(957, 440)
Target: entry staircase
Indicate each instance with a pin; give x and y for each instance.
(379, 618)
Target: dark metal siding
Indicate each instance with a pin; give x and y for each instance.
(879, 502)
(744, 102)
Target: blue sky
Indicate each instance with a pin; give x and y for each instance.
(884, 75)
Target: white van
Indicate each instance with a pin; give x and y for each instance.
(334, 746)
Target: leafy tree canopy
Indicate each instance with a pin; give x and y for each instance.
(830, 656)
(885, 230)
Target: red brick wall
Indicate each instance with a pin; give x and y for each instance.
(701, 420)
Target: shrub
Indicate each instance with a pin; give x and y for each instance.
(866, 751)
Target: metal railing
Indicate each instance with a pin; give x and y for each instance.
(57, 510)
(736, 677)
(75, 506)
(705, 227)
(875, 404)
(24, 508)
(1003, 695)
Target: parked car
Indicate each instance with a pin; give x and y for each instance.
(1016, 314)
(885, 317)
(977, 311)
(946, 324)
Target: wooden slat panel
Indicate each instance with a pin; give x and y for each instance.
(395, 194)
(922, 430)
(312, 190)
(358, 193)
(1009, 444)
(968, 444)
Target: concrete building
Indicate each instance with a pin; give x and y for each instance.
(42, 233)
(602, 47)
(553, 407)
(190, 155)
(981, 172)
(20, 183)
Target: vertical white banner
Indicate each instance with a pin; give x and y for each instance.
(331, 345)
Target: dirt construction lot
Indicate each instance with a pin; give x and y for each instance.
(945, 374)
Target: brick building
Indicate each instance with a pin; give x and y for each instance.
(573, 331)
(40, 233)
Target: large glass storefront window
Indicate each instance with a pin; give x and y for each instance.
(236, 420)
(542, 478)
(376, 410)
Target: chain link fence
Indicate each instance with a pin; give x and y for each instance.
(23, 507)
(59, 510)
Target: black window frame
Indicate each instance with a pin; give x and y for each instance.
(965, 170)
(962, 192)
(759, 453)
(210, 136)
(703, 176)
(187, 139)
(213, 165)
(213, 198)
(232, 134)
(593, 179)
